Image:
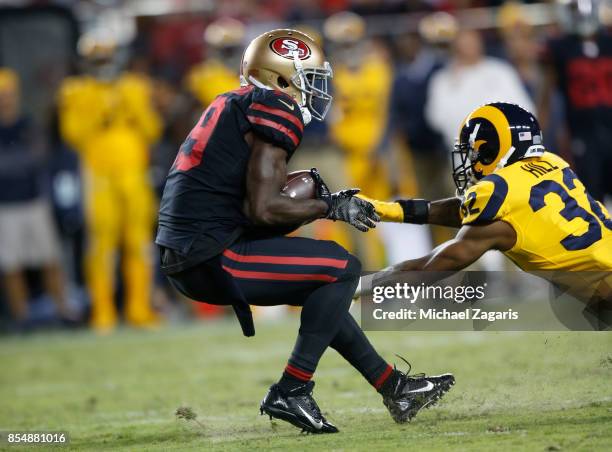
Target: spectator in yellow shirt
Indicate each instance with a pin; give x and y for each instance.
(108, 118)
(218, 73)
(361, 84)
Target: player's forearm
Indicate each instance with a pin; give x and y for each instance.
(265, 204)
(426, 270)
(413, 268)
(449, 256)
(443, 212)
(466, 248)
(283, 210)
(411, 264)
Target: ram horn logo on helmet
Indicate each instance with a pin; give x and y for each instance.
(286, 47)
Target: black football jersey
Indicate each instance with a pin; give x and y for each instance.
(584, 71)
(201, 210)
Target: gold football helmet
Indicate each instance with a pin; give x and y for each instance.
(97, 47)
(344, 27)
(224, 32)
(99, 52)
(492, 137)
(292, 62)
(438, 28)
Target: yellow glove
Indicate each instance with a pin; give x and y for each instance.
(388, 211)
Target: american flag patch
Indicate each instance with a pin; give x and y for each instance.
(524, 136)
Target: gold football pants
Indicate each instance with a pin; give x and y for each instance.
(119, 217)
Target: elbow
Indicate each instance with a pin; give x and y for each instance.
(261, 216)
(263, 220)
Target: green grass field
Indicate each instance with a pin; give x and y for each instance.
(515, 391)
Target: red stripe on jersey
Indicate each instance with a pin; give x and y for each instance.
(271, 276)
(278, 112)
(293, 260)
(266, 122)
(298, 373)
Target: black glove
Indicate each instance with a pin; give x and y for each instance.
(350, 209)
(322, 192)
(344, 206)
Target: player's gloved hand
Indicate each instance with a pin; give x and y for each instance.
(344, 206)
(322, 191)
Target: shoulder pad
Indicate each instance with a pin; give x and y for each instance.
(483, 201)
(277, 118)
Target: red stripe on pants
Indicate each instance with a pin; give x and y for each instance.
(288, 260)
(245, 274)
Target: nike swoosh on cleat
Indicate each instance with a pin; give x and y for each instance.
(290, 107)
(429, 387)
(316, 424)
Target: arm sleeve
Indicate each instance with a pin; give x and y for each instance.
(276, 118)
(484, 201)
(391, 212)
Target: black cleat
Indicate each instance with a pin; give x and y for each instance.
(443, 382)
(296, 407)
(411, 393)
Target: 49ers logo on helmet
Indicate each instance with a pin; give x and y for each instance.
(286, 47)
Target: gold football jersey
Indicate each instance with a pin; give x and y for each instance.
(558, 225)
(209, 79)
(111, 124)
(360, 105)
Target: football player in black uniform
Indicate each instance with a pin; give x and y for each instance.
(579, 64)
(222, 220)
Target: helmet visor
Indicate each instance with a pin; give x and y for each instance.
(462, 167)
(314, 83)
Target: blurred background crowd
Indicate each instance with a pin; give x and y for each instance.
(96, 97)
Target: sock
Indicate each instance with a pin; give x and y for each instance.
(385, 384)
(353, 345)
(321, 317)
(293, 377)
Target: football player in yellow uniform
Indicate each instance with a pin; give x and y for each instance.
(518, 198)
(109, 119)
(218, 73)
(362, 81)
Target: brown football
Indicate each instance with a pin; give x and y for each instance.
(300, 185)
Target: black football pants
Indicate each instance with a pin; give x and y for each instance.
(320, 276)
